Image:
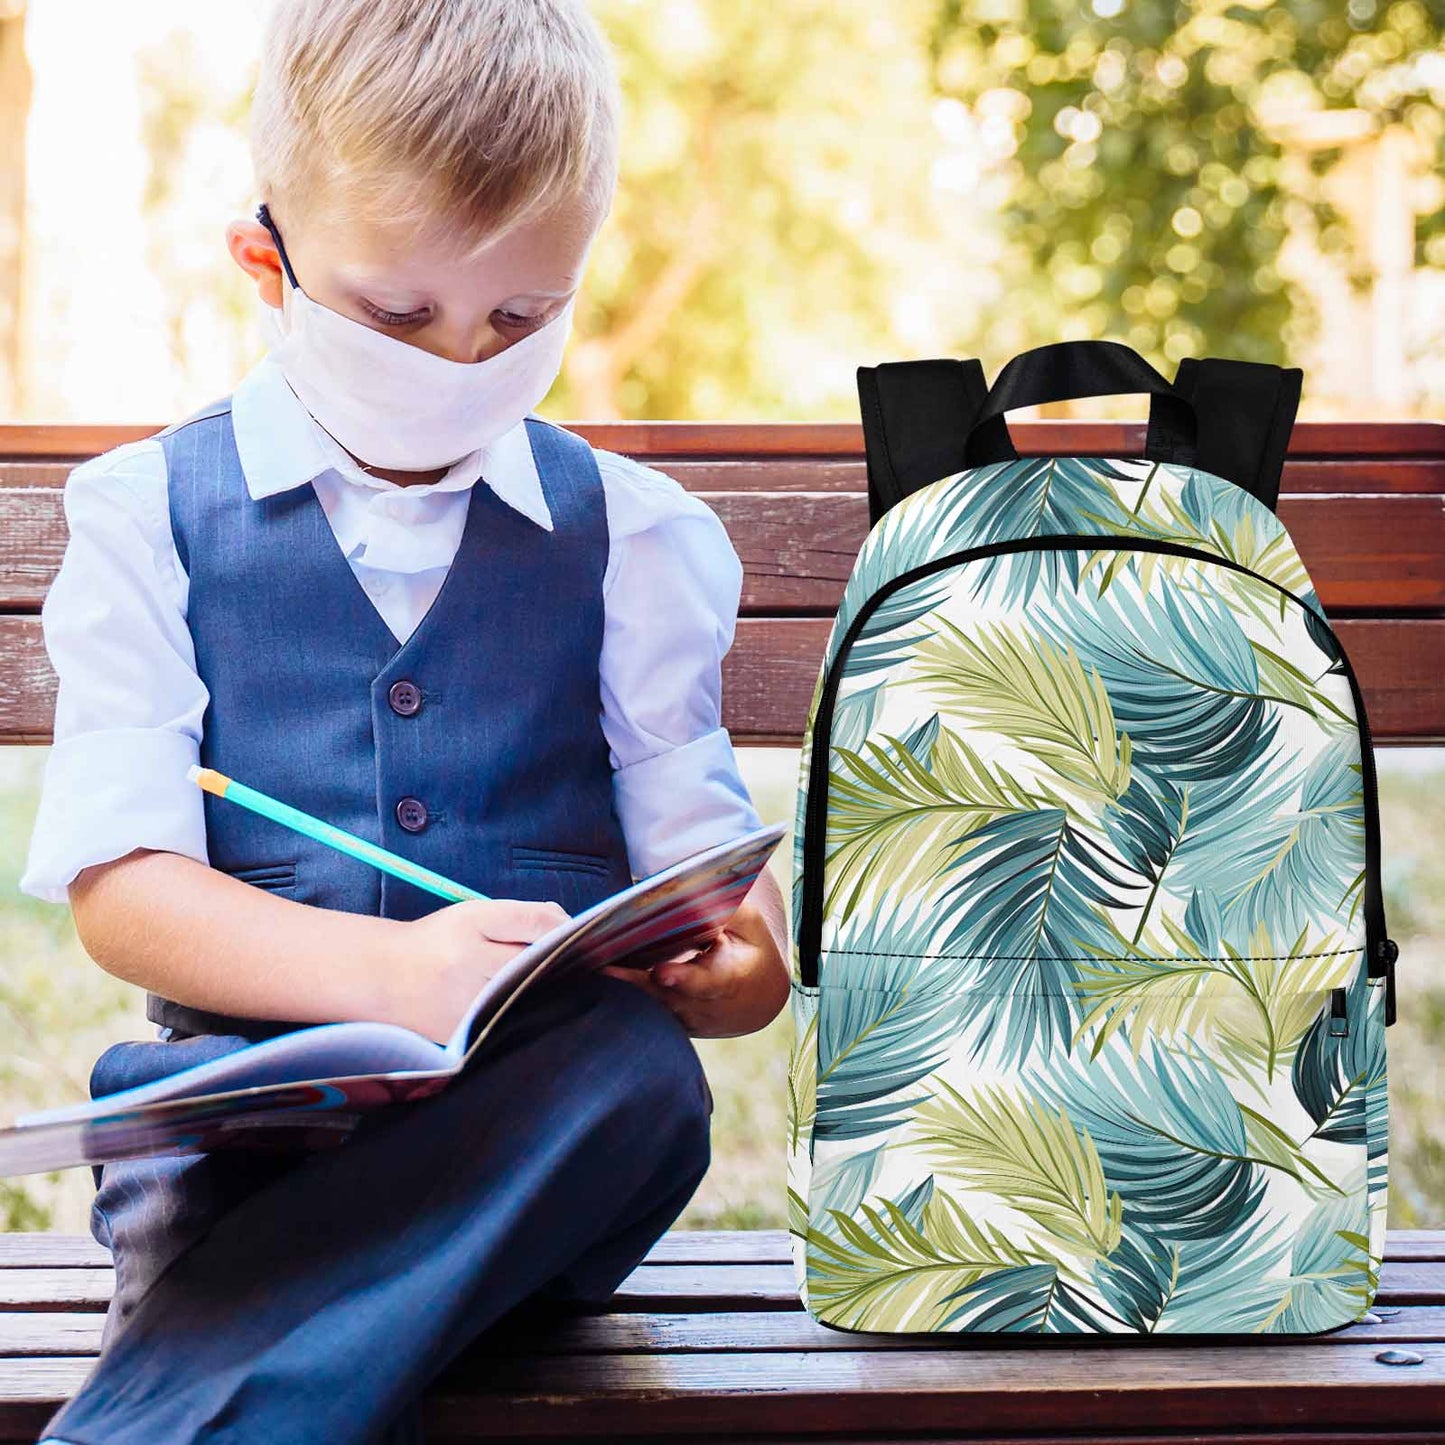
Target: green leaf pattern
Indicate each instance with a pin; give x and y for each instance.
(1093, 866)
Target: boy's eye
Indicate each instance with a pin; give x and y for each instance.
(514, 319)
(394, 318)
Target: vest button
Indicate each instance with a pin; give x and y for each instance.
(411, 814)
(405, 698)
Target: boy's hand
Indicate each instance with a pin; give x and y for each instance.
(452, 952)
(736, 986)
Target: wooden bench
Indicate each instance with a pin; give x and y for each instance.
(707, 1337)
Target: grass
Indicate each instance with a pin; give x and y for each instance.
(58, 1011)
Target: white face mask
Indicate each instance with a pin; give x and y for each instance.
(394, 405)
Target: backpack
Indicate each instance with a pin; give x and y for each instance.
(1090, 973)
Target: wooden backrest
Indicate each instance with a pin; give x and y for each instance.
(1365, 502)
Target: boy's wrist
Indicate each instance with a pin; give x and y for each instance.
(389, 975)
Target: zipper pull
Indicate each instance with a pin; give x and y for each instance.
(1339, 1019)
(1389, 951)
(1383, 956)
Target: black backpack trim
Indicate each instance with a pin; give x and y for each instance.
(916, 420)
(925, 420)
(1246, 411)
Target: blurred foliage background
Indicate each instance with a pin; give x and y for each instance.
(807, 185)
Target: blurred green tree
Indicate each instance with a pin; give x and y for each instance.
(1149, 189)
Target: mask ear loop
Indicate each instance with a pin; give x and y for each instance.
(263, 215)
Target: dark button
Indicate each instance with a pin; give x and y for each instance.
(405, 698)
(411, 814)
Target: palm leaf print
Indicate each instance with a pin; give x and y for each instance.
(904, 537)
(1300, 689)
(1229, 818)
(1194, 1286)
(1285, 989)
(1251, 1009)
(797, 1212)
(1181, 676)
(1092, 864)
(1323, 638)
(1149, 996)
(1213, 515)
(1189, 842)
(1305, 863)
(1335, 1078)
(1332, 1275)
(1243, 529)
(1170, 1137)
(888, 1273)
(1031, 892)
(854, 711)
(802, 1070)
(840, 1185)
(1030, 1298)
(1146, 823)
(1027, 1155)
(1034, 691)
(900, 808)
(886, 1028)
(1033, 497)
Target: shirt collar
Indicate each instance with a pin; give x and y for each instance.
(281, 446)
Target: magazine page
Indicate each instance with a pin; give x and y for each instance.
(308, 1088)
(271, 1090)
(304, 1116)
(677, 910)
(324, 1053)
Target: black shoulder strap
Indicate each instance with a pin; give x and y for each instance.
(916, 419)
(1245, 412)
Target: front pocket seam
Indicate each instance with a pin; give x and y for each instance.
(264, 873)
(557, 861)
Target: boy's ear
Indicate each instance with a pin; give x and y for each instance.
(253, 250)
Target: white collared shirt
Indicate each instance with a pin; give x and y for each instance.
(130, 702)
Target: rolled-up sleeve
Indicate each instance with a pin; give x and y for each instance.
(130, 703)
(672, 588)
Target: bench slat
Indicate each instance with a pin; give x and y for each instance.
(1299, 1385)
(25, 1334)
(771, 670)
(716, 1246)
(805, 473)
(1364, 554)
(769, 675)
(970, 1388)
(1082, 437)
(650, 1287)
(710, 1246)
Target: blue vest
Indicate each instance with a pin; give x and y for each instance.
(474, 748)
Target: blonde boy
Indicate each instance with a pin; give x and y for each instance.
(373, 583)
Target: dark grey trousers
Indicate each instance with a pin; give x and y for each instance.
(308, 1299)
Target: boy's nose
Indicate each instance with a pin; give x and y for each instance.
(474, 347)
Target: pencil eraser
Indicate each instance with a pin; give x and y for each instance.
(194, 773)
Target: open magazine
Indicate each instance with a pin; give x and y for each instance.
(309, 1088)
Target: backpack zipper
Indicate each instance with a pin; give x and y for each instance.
(1380, 950)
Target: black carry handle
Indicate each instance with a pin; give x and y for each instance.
(1066, 370)
(926, 420)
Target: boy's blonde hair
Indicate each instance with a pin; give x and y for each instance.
(460, 116)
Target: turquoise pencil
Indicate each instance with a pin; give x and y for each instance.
(333, 837)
